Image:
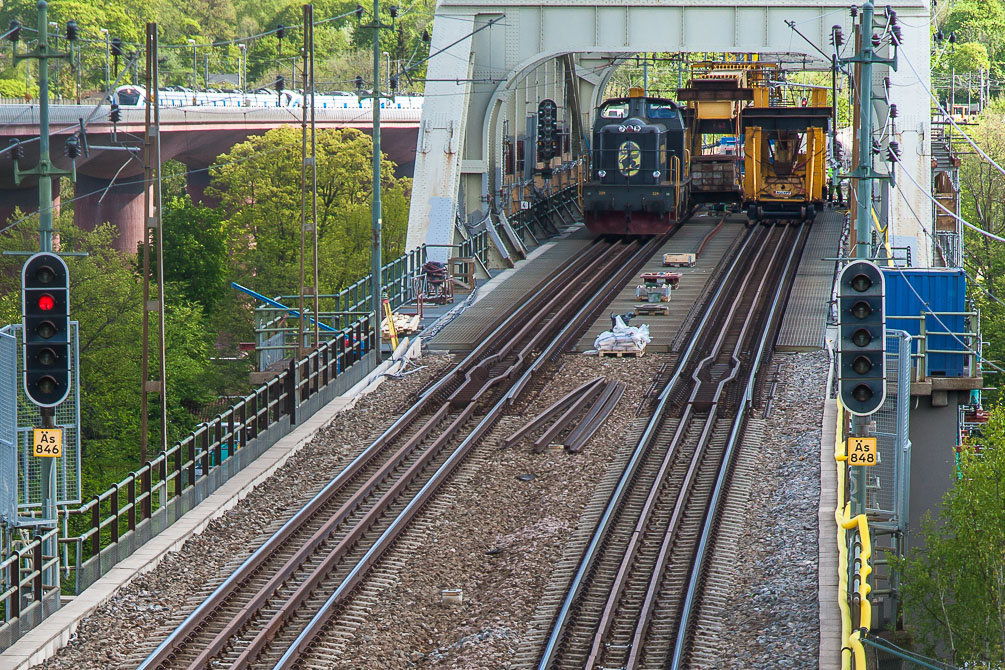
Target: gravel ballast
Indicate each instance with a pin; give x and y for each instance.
(502, 533)
(774, 601)
(130, 620)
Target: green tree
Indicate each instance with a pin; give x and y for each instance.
(982, 201)
(979, 22)
(954, 588)
(195, 252)
(259, 189)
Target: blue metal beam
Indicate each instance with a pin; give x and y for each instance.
(273, 303)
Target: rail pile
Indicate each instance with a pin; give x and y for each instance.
(631, 599)
(274, 608)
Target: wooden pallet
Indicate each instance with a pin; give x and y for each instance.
(651, 308)
(613, 353)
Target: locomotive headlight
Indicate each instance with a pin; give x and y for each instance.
(656, 174)
(601, 173)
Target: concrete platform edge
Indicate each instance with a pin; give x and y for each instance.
(55, 632)
(827, 564)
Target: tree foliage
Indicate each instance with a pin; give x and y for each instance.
(341, 45)
(982, 201)
(954, 588)
(980, 36)
(260, 195)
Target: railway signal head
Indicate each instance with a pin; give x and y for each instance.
(45, 304)
(862, 343)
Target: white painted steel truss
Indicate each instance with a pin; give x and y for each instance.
(482, 89)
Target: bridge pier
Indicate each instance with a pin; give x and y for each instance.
(24, 199)
(197, 182)
(121, 204)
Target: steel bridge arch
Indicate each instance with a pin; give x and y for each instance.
(481, 78)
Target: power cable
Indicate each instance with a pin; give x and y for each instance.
(950, 118)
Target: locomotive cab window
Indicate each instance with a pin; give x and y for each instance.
(617, 109)
(661, 110)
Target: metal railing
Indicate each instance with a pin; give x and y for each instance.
(109, 527)
(969, 342)
(30, 591)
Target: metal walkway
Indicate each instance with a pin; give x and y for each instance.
(500, 295)
(805, 317)
(663, 328)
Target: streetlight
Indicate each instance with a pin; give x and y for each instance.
(195, 62)
(107, 52)
(244, 55)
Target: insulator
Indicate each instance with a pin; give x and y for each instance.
(394, 83)
(892, 15)
(14, 30)
(72, 147)
(114, 114)
(939, 36)
(952, 37)
(876, 147)
(893, 111)
(280, 83)
(854, 12)
(894, 149)
(280, 31)
(898, 35)
(837, 37)
(393, 11)
(17, 151)
(71, 31)
(116, 46)
(425, 36)
(359, 12)
(875, 40)
(359, 82)
(886, 83)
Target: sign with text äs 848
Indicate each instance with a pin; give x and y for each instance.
(862, 451)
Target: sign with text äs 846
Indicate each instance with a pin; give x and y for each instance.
(48, 442)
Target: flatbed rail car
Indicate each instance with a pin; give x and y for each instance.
(716, 96)
(784, 157)
(639, 179)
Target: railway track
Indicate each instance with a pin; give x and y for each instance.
(274, 607)
(630, 599)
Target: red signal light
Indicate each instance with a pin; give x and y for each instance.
(46, 302)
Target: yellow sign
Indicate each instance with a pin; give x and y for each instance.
(48, 442)
(862, 451)
(629, 158)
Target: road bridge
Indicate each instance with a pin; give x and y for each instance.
(109, 186)
(495, 62)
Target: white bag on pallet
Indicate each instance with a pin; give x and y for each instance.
(623, 338)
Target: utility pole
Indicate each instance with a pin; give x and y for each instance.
(865, 174)
(45, 171)
(376, 221)
(244, 77)
(302, 349)
(153, 237)
(107, 53)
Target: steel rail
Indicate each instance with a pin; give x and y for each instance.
(652, 590)
(483, 383)
(685, 425)
(627, 475)
(168, 648)
(713, 509)
(303, 641)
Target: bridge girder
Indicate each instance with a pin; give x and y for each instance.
(482, 83)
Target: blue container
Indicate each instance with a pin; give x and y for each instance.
(911, 291)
